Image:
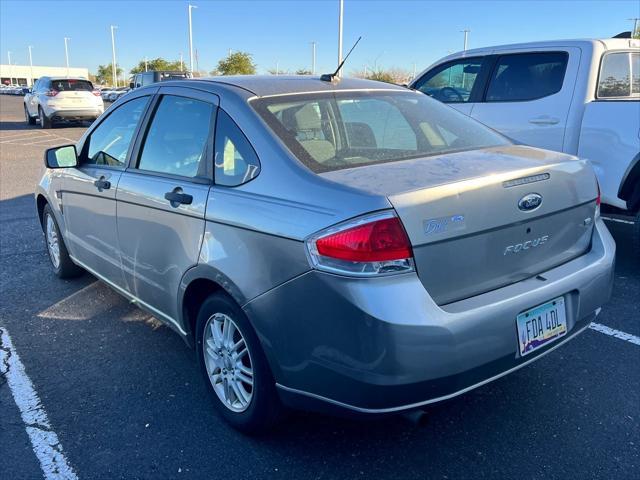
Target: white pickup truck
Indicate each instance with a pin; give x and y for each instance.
(580, 97)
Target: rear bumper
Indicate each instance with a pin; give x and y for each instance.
(75, 114)
(379, 346)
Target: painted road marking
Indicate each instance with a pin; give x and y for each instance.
(44, 440)
(619, 220)
(598, 327)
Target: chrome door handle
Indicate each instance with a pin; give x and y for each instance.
(544, 120)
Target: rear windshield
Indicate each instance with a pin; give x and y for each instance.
(343, 129)
(164, 76)
(65, 85)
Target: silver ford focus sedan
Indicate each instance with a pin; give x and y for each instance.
(344, 246)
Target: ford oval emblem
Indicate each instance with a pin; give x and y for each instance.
(530, 202)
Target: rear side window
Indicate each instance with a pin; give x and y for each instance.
(109, 142)
(529, 76)
(452, 82)
(235, 160)
(619, 75)
(66, 85)
(176, 141)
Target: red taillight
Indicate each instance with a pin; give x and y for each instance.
(96, 93)
(598, 199)
(377, 241)
(52, 93)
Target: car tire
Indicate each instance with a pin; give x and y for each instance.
(221, 370)
(30, 120)
(62, 264)
(45, 122)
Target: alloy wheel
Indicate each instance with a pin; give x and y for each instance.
(228, 362)
(53, 245)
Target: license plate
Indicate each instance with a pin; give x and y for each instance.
(541, 325)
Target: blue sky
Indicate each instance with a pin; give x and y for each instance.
(395, 33)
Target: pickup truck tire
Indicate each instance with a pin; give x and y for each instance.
(45, 122)
(228, 360)
(30, 120)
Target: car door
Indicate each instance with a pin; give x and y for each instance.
(88, 198)
(528, 95)
(162, 197)
(458, 82)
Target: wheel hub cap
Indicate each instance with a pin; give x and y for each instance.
(53, 245)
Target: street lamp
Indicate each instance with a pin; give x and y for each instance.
(114, 68)
(10, 69)
(466, 34)
(191, 7)
(340, 15)
(66, 52)
(31, 64)
(313, 58)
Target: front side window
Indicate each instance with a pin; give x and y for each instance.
(529, 76)
(109, 142)
(452, 83)
(235, 160)
(176, 141)
(619, 75)
(331, 131)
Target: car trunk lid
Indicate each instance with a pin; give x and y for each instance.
(472, 216)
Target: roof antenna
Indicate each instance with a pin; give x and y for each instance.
(328, 77)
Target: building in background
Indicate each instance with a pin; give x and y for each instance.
(21, 74)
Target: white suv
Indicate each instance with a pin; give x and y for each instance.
(575, 96)
(54, 99)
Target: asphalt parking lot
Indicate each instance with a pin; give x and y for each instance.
(123, 397)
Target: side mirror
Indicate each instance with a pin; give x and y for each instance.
(130, 84)
(61, 157)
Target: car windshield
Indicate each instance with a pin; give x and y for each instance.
(344, 129)
(65, 85)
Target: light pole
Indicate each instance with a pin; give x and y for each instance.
(340, 15)
(31, 64)
(191, 7)
(10, 69)
(146, 66)
(313, 58)
(635, 26)
(66, 52)
(114, 68)
(466, 35)
(181, 62)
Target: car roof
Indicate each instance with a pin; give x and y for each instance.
(269, 85)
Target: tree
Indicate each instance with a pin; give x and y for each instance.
(303, 71)
(104, 74)
(237, 63)
(157, 64)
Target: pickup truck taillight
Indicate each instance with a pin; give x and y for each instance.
(598, 200)
(52, 93)
(368, 246)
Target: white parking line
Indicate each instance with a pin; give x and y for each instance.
(619, 220)
(598, 327)
(44, 440)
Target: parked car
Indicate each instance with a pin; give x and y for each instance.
(62, 99)
(346, 246)
(155, 76)
(105, 92)
(116, 93)
(580, 97)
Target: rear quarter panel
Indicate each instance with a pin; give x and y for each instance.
(610, 139)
